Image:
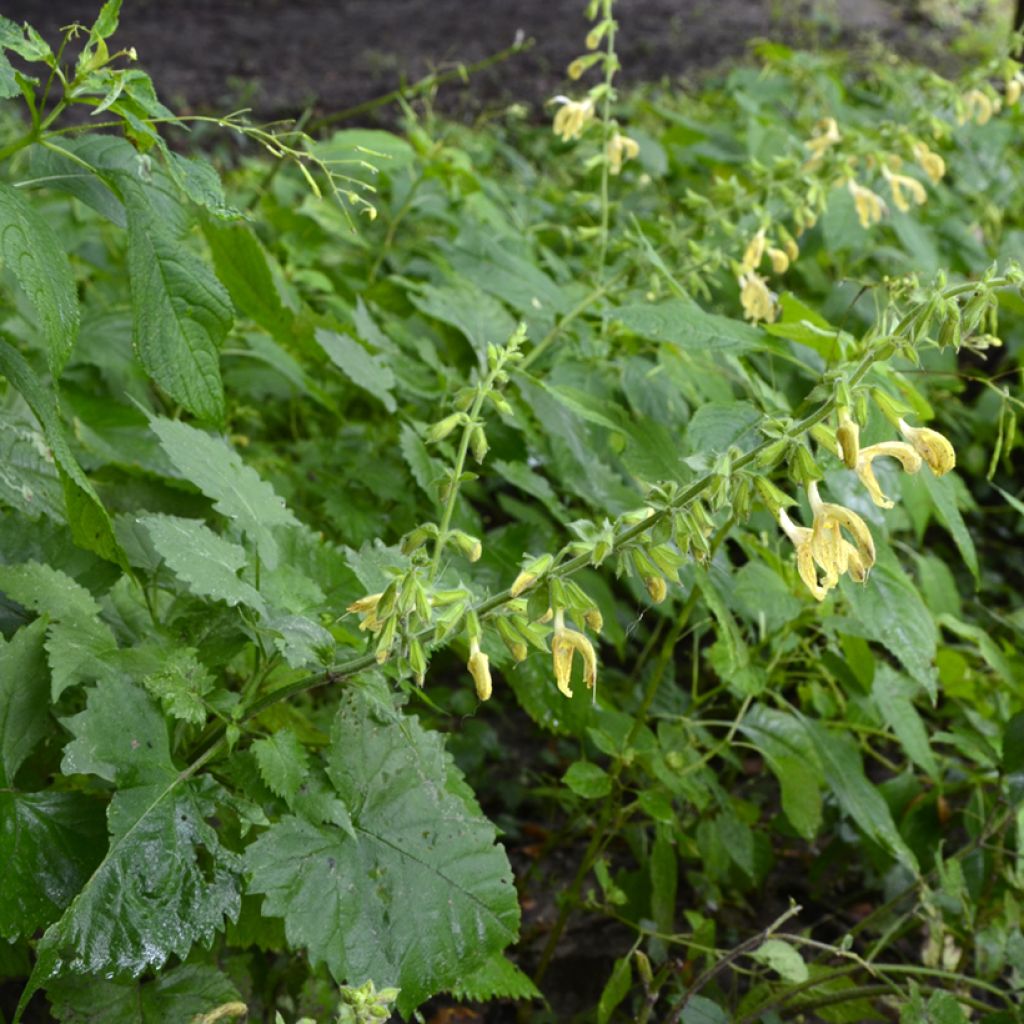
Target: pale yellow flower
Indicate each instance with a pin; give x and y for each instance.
(826, 135)
(932, 446)
(780, 260)
(572, 117)
(480, 669)
(753, 254)
(366, 607)
(757, 299)
(565, 643)
(931, 163)
(870, 206)
(831, 549)
(978, 107)
(801, 538)
(1014, 88)
(900, 182)
(848, 437)
(908, 458)
(620, 148)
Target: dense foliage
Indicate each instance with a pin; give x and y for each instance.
(322, 473)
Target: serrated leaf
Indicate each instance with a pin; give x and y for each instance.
(174, 996)
(782, 958)
(424, 467)
(165, 883)
(31, 252)
(480, 317)
(237, 490)
(498, 978)
(180, 683)
(369, 372)
(206, 563)
(8, 83)
(90, 525)
(283, 763)
(24, 700)
(682, 322)
(29, 480)
(423, 895)
(181, 313)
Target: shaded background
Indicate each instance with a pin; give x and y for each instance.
(280, 56)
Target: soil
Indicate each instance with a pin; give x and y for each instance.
(281, 56)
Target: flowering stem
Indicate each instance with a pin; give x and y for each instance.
(610, 63)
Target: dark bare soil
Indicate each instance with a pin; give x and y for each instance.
(280, 56)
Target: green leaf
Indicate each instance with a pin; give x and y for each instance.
(24, 700)
(616, 989)
(782, 958)
(29, 481)
(683, 323)
(943, 493)
(180, 683)
(717, 425)
(423, 896)
(237, 490)
(889, 610)
(498, 978)
(588, 780)
(206, 563)
(31, 252)
(700, 1010)
(844, 773)
(181, 313)
(480, 317)
(369, 372)
(892, 695)
(165, 883)
(283, 763)
(177, 995)
(425, 469)
(90, 525)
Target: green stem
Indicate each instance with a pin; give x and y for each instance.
(606, 117)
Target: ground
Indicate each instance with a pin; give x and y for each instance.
(279, 56)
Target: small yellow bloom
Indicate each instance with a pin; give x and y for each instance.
(931, 163)
(367, 608)
(757, 299)
(480, 669)
(564, 643)
(792, 249)
(576, 69)
(907, 456)
(620, 148)
(978, 107)
(899, 182)
(826, 135)
(780, 260)
(753, 254)
(1014, 89)
(572, 117)
(932, 446)
(801, 538)
(870, 206)
(848, 436)
(832, 551)
(656, 587)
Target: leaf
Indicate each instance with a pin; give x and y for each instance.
(498, 978)
(892, 695)
(423, 896)
(8, 83)
(165, 883)
(683, 323)
(424, 467)
(174, 996)
(237, 490)
(24, 700)
(782, 958)
(31, 252)
(206, 563)
(369, 372)
(480, 317)
(844, 773)
(616, 988)
(943, 493)
(29, 481)
(700, 1010)
(181, 313)
(718, 425)
(180, 683)
(890, 611)
(283, 763)
(588, 780)
(90, 525)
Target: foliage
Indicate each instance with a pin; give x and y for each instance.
(306, 529)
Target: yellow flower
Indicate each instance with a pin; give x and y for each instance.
(572, 117)
(367, 608)
(831, 550)
(907, 456)
(826, 135)
(620, 147)
(848, 436)
(480, 669)
(780, 260)
(978, 107)
(870, 206)
(931, 163)
(932, 446)
(1014, 88)
(792, 249)
(899, 182)
(758, 301)
(801, 538)
(564, 643)
(753, 254)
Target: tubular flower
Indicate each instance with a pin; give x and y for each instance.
(899, 182)
(753, 254)
(480, 669)
(757, 299)
(870, 206)
(825, 136)
(367, 608)
(848, 436)
(620, 148)
(801, 538)
(571, 118)
(978, 107)
(564, 643)
(908, 457)
(779, 258)
(1014, 88)
(932, 446)
(930, 162)
(831, 550)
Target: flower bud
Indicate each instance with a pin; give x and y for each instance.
(480, 669)
(478, 443)
(469, 546)
(530, 572)
(656, 587)
(440, 430)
